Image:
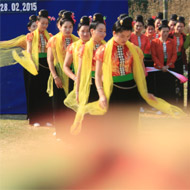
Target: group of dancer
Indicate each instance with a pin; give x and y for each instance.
(88, 75)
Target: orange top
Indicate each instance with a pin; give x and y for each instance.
(71, 46)
(115, 58)
(158, 53)
(30, 36)
(81, 52)
(150, 37)
(144, 42)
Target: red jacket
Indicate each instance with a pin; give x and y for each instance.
(145, 43)
(158, 53)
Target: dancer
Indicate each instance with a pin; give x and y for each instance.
(158, 21)
(179, 39)
(73, 49)
(36, 57)
(58, 83)
(150, 33)
(18, 44)
(172, 22)
(138, 38)
(85, 90)
(164, 55)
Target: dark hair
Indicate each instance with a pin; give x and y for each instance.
(173, 17)
(164, 24)
(67, 16)
(84, 21)
(122, 16)
(32, 19)
(159, 16)
(139, 18)
(150, 22)
(60, 15)
(123, 24)
(181, 20)
(43, 14)
(96, 20)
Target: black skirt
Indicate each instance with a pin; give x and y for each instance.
(150, 79)
(26, 75)
(179, 87)
(165, 86)
(40, 104)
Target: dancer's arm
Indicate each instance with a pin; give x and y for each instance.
(67, 65)
(78, 78)
(50, 59)
(99, 85)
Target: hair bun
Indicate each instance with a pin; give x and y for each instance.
(61, 12)
(67, 15)
(160, 16)
(33, 18)
(43, 13)
(150, 22)
(98, 17)
(122, 16)
(139, 18)
(164, 24)
(173, 17)
(181, 19)
(85, 20)
(126, 22)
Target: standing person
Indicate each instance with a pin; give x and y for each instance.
(150, 33)
(128, 72)
(17, 44)
(40, 107)
(172, 22)
(58, 83)
(32, 26)
(138, 38)
(179, 38)
(85, 90)
(158, 21)
(73, 49)
(164, 55)
(187, 46)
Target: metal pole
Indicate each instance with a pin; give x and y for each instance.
(165, 9)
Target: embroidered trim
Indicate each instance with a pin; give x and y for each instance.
(43, 43)
(139, 41)
(165, 50)
(121, 60)
(178, 43)
(67, 41)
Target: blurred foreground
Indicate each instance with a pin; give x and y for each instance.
(111, 152)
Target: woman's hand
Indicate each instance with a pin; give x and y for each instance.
(103, 102)
(165, 68)
(151, 96)
(58, 82)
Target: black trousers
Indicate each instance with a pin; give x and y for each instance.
(40, 104)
